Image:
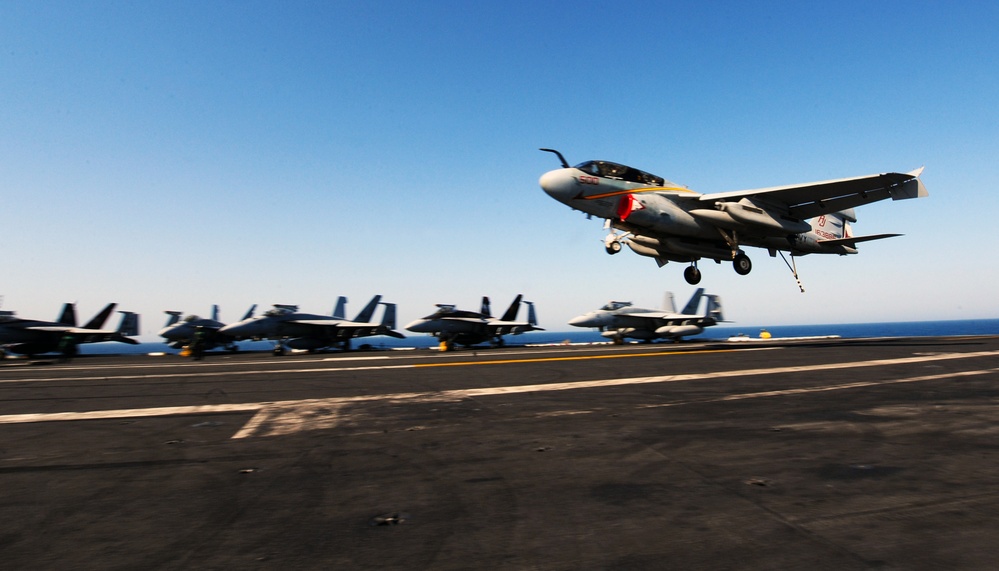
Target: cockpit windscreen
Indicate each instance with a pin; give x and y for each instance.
(607, 169)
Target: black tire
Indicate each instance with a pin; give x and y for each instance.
(742, 264)
(692, 275)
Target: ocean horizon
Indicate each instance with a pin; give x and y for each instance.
(719, 332)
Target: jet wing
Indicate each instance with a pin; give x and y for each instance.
(70, 330)
(497, 327)
(656, 319)
(368, 329)
(349, 328)
(657, 315)
(817, 198)
(318, 322)
(852, 240)
(90, 335)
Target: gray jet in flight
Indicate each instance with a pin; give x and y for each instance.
(33, 337)
(619, 320)
(451, 325)
(671, 223)
(313, 332)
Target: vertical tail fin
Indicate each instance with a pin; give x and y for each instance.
(388, 318)
(669, 304)
(340, 311)
(511, 312)
(98, 320)
(714, 308)
(129, 325)
(174, 317)
(695, 301)
(532, 318)
(215, 313)
(249, 312)
(834, 225)
(68, 315)
(368, 311)
(485, 310)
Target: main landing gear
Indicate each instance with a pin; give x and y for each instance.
(692, 274)
(741, 262)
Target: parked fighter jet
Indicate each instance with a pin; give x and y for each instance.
(32, 337)
(180, 332)
(620, 319)
(672, 223)
(313, 332)
(468, 328)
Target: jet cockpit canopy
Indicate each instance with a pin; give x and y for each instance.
(280, 310)
(613, 305)
(448, 310)
(607, 169)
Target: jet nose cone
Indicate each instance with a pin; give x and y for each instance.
(580, 321)
(418, 326)
(559, 184)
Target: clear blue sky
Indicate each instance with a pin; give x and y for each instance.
(171, 155)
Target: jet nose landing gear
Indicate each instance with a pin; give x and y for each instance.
(612, 241)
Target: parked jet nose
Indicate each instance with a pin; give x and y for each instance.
(586, 320)
(559, 184)
(420, 326)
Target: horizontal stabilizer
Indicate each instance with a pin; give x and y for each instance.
(850, 241)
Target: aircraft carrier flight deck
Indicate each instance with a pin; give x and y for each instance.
(828, 454)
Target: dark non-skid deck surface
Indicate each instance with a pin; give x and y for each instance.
(862, 454)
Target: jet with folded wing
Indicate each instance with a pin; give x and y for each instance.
(451, 325)
(619, 320)
(671, 223)
(34, 337)
(180, 332)
(312, 332)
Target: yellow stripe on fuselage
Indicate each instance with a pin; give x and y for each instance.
(637, 190)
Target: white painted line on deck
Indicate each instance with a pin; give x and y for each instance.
(285, 417)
